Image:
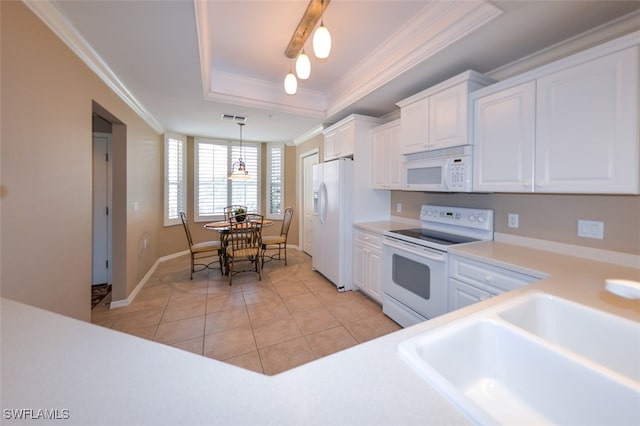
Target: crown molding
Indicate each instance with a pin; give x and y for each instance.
(312, 133)
(58, 23)
(435, 27)
(218, 86)
(255, 93)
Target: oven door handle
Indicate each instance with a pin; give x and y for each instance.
(415, 249)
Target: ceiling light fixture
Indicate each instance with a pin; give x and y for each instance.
(322, 42)
(295, 48)
(239, 169)
(303, 66)
(290, 83)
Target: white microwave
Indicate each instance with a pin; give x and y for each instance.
(442, 170)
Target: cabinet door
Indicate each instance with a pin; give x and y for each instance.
(461, 295)
(345, 140)
(448, 117)
(587, 124)
(374, 274)
(330, 147)
(503, 140)
(359, 265)
(394, 157)
(414, 123)
(379, 159)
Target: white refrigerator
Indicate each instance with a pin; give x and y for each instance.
(332, 221)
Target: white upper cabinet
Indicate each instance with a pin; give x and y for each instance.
(504, 136)
(339, 142)
(386, 158)
(414, 132)
(438, 117)
(587, 127)
(567, 127)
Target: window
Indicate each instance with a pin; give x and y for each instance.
(175, 183)
(275, 181)
(213, 190)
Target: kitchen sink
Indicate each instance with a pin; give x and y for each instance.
(499, 367)
(606, 339)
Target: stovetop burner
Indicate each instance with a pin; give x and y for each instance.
(436, 237)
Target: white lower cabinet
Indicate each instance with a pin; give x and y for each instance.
(471, 281)
(367, 263)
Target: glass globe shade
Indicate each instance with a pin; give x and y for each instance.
(290, 84)
(303, 66)
(322, 42)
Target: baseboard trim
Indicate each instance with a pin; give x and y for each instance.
(608, 256)
(126, 302)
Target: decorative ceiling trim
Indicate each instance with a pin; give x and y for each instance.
(249, 92)
(60, 25)
(435, 27)
(255, 93)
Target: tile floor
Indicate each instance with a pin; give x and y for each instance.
(291, 317)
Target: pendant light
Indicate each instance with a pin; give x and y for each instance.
(322, 42)
(290, 83)
(303, 66)
(239, 169)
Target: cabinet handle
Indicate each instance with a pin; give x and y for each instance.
(488, 278)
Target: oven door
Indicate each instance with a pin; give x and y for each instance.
(414, 282)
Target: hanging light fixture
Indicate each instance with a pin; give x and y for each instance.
(290, 83)
(295, 48)
(322, 42)
(239, 169)
(303, 66)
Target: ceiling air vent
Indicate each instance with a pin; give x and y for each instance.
(236, 118)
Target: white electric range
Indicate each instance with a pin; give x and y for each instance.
(415, 260)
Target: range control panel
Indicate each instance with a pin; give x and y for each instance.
(459, 216)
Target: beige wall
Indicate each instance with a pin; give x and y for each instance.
(546, 217)
(46, 172)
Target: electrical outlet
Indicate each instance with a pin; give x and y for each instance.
(399, 207)
(591, 229)
(513, 220)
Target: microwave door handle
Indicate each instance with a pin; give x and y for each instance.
(447, 182)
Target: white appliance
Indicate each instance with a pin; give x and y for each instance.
(415, 261)
(332, 222)
(442, 170)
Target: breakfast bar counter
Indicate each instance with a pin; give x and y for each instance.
(103, 377)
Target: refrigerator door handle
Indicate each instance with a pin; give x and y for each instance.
(323, 202)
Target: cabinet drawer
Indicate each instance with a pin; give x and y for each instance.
(485, 276)
(369, 238)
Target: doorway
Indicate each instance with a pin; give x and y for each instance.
(102, 208)
(307, 160)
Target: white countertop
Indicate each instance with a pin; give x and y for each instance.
(106, 377)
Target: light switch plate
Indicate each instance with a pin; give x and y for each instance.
(513, 220)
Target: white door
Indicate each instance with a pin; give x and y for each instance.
(308, 160)
(101, 270)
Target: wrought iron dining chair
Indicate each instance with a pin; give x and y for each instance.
(244, 242)
(231, 210)
(203, 250)
(278, 242)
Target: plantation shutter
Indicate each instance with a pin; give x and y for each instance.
(175, 179)
(275, 181)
